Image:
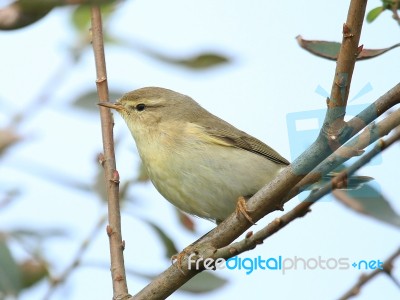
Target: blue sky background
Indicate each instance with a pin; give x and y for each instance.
(269, 78)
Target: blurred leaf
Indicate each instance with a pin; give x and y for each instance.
(10, 276)
(201, 61)
(7, 138)
(330, 50)
(111, 39)
(203, 282)
(368, 201)
(374, 13)
(9, 197)
(23, 13)
(41, 234)
(387, 4)
(100, 185)
(81, 15)
(52, 175)
(169, 245)
(32, 272)
(185, 220)
(89, 100)
(123, 190)
(371, 53)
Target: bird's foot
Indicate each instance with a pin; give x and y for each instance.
(241, 209)
(177, 259)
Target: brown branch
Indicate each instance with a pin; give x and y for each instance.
(386, 268)
(347, 56)
(269, 197)
(395, 6)
(120, 288)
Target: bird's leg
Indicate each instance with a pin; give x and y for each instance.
(241, 209)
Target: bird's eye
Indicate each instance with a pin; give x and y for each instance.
(140, 107)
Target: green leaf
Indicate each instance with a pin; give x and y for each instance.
(374, 13)
(389, 3)
(323, 49)
(199, 62)
(369, 201)
(41, 234)
(169, 245)
(10, 276)
(88, 100)
(203, 282)
(330, 50)
(81, 15)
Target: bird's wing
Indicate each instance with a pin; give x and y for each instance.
(233, 137)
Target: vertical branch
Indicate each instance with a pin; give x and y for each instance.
(120, 288)
(345, 66)
(335, 131)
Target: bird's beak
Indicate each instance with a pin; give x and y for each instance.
(117, 106)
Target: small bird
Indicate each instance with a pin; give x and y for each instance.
(197, 161)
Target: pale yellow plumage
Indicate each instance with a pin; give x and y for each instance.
(197, 161)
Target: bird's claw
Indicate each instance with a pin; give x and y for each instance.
(241, 209)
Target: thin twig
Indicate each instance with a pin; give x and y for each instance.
(8, 198)
(45, 95)
(55, 282)
(117, 245)
(386, 268)
(395, 7)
